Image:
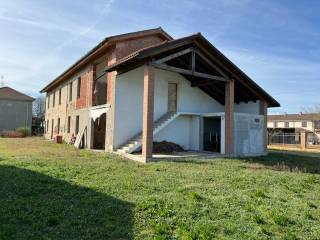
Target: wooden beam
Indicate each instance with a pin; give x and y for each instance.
(187, 72)
(212, 64)
(193, 62)
(174, 55)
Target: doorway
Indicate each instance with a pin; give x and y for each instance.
(172, 97)
(99, 134)
(212, 134)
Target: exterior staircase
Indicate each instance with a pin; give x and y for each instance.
(134, 144)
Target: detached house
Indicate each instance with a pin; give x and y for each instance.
(15, 109)
(136, 88)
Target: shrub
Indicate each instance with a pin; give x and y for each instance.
(24, 131)
(11, 134)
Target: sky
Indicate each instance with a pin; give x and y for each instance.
(274, 42)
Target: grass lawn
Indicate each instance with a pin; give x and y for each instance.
(50, 191)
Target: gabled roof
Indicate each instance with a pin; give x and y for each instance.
(8, 93)
(295, 117)
(142, 56)
(89, 56)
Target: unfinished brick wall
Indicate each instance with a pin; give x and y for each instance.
(129, 46)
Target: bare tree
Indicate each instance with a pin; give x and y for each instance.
(39, 107)
(313, 109)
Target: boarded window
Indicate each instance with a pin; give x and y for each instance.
(69, 122)
(70, 91)
(53, 99)
(77, 124)
(79, 87)
(58, 130)
(60, 96)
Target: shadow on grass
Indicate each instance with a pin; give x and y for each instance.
(35, 206)
(288, 162)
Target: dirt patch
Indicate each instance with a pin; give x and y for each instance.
(166, 147)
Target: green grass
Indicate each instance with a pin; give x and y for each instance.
(50, 191)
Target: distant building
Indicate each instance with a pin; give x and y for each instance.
(293, 123)
(15, 109)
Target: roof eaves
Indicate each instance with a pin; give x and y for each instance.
(106, 41)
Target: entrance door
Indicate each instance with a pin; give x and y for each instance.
(172, 97)
(212, 134)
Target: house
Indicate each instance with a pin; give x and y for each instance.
(295, 123)
(136, 88)
(15, 109)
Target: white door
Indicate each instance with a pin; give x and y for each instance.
(172, 97)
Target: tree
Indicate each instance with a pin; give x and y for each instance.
(38, 111)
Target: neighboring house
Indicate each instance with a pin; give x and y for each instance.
(15, 109)
(136, 88)
(293, 123)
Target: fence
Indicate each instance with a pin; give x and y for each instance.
(284, 138)
(301, 140)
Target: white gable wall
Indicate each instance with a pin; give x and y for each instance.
(185, 130)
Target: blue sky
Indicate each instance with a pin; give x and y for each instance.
(275, 42)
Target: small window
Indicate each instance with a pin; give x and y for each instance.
(275, 124)
(79, 87)
(304, 124)
(47, 126)
(70, 92)
(77, 125)
(69, 122)
(58, 131)
(286, 124)
(48, 101)
(53, 99)
(60, 96)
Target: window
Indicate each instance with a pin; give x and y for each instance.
(275, 124)
(48, 101)
(58, 130)
(60, 96)
(53, 99)
(47, 126)
(304, 124)
(79, 87)
(70, 92)
(68, 126)
(286, 124)
(77, 125)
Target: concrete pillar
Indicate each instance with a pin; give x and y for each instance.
(264, 111)
(228, 108)
(148, 109)
(303, 140)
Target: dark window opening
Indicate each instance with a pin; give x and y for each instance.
(304, 124)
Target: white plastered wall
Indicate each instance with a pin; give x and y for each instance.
(129, 102)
